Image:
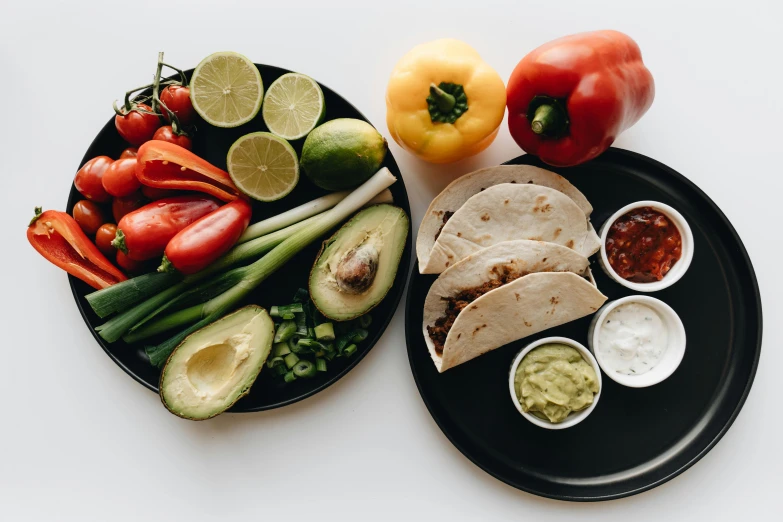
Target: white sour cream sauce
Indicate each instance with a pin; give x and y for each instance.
(633, 339)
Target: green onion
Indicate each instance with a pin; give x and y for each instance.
(258, 271)
(292, 343)
(359, 335)
(349, 350)
(281, 369)
(286, 312)
(289, 377)
(354, 336)
(365, 320)
(275, 361)
(310, 344)
(280, 350)
(121, 296)
(301, 325)
(320, 364)
(324, 332)
(304, 369)
(284, 332)
(290, 360)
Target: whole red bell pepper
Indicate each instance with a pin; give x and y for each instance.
(57, 237)
(145, 232)
(201, 243)
(569, 99)
(161, 164)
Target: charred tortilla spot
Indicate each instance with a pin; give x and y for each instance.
(485, 217)
(570, 243)
(459, 335)
(474, 307)
(517, 296)
(459, 234)
(506, 202)
(447, 263)
(526, 323)
(446, 216)
(557, 231)
(554, 300)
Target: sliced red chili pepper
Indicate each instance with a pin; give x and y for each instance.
(57, 237)
(168, 166)
(202, 242)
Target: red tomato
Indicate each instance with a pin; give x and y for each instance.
(120, 178)
(177, 99)
(130, 152)
(103, 238)
(153, 193)
(128, 264)
(89, 216)
(89, 179)
(126, 204)
(137, 127)
(166, 133)
(201, 243)
(144, 233)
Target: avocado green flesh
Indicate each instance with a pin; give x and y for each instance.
(380, 228)
(342, 153)
(215, 366)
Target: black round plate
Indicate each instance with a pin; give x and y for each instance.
(635, 439)
(212, 144)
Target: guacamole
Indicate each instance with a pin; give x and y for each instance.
(553, 380)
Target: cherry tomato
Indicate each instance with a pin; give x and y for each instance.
(153, 193)
(125, 204)
(89, 216)
(129, 265)
(166, 133)
(177, 99)
(103, 238)
(89, 179)
(130, 152)
(137, 127)
(120, 178)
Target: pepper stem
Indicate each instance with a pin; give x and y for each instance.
(119, 242)
(38, 212)
(443, 100)
(548, 117)
(544, 120)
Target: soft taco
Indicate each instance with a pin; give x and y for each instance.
(503, 293)
(507, 212)
(461, 189)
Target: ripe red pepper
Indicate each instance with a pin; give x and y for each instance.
(202, 242)
(145, 232)
(57, 237)
(168, 166)
(569, 99)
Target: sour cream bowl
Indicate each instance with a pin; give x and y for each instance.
(677, 270)
(573, 418)
(670, 358)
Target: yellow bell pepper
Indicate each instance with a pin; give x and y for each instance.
(443, 102)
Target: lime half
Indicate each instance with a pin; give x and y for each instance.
(293, 106)
(226, 89)
(263, 166)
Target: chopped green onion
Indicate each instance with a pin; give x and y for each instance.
(311, 344)
(330, 355)
(275, 361)
(365, 320)
(290, 360)
(301, 325)
(285, 331)
(290, 377)
(292, 343)
(349, 350)
(304, 368)
(320, 364)
(359, 335)
(281, 369)
(280, 349)
(324, 332)
(286, 312)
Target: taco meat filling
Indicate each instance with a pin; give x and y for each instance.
(446, 216)
(456, 303)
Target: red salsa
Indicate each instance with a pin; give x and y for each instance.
(643, 245)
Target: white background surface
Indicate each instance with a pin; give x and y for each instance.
(80, 440)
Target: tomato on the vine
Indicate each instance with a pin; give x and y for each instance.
(135, 126)
(177, 99)
(88, 215)
(166, 133)
(89, 179)
(120, 178)
(103, 238)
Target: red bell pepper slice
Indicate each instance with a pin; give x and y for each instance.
(570, 98)
(202, 242)
(168, 166)
(57, 237)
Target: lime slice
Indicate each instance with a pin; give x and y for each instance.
(226, 89)
(293, 106)
(263, 166)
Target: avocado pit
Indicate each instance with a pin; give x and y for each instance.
(356, 270)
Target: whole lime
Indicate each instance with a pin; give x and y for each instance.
(342, 153)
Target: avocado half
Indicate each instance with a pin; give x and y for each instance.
(214, 367)
(357, 265)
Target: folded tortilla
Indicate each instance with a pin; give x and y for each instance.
(461, 189)
(503, 293)
(509, 211)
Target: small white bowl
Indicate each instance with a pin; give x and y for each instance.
(574, 418)
(671, 357)
(678, 269)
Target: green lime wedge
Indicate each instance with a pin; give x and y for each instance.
(226, 89)
(263, 166)
(293, 106)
